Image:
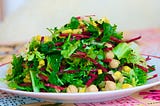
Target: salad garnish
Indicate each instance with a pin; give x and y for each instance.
(84, 55)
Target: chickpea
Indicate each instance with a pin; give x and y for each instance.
(121, 80)
(109, 55)
(110, 85)
(114, 63)
(108, 45)
(92, 88)
(72, 89)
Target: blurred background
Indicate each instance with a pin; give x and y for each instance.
(22, 19)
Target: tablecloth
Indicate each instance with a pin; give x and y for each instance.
(151, 97)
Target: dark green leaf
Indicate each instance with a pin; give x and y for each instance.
(53, 61)
(74, 23)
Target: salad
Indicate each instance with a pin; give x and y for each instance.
(84, 55)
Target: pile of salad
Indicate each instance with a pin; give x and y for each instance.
(84, 55)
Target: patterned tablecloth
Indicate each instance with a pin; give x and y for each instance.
(151, 97)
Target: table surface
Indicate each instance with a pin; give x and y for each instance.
(7, 99)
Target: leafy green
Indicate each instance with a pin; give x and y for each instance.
(122, 50)
(17, 68)
(135, 77)
(36, 83)
(76, 55)
(54, 61)
(74, 23)
(54, 79)
(13, 84)
(69, 48)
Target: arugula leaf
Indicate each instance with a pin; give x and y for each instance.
(35, 82)
(33, 44)
(70, 79)
(69, 48)
(54, 79)
(54, 61)
(17, 68)
(141, 75)
(135, 77)
(13, 84)
(74, 23)
(108, 30)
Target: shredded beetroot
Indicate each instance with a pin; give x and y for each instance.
(108, 48)
(54, 86)
(92, 75)
(62, 67)
(79, 17)
(58, 48)
(81, 53)
(115, 39)
(78, 36)
(134, 39)
(70, 71)
(89, 82)
(94, 70)
(154, 76)
(143, 68)
(64, 34)
(148, 58)
(107, 60)
(4, 64)
(84, 46)
(85, 33)
(109, 77)
(25, 84)
(97, 64)
(59, 43)
(84, 56)
(158, 57)
(43, 69)
(42, 39)
(43, 77)
(150, 67)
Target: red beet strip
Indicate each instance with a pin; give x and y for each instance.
(70, 71)
(59, 43)
(143, 68)
(108, 49)
(148, 58)
(42, 39)
(134, 39)
(93, 77)
(84, 56)
(4, 64)
(109, 77)
(154, 76)
(78, 36)
(25, 84)
(107, 60)
(54, 86)
(115, 39)
(43, 77)
(158, 57)
(150, 67)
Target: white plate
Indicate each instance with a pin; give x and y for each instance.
(84, 97)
